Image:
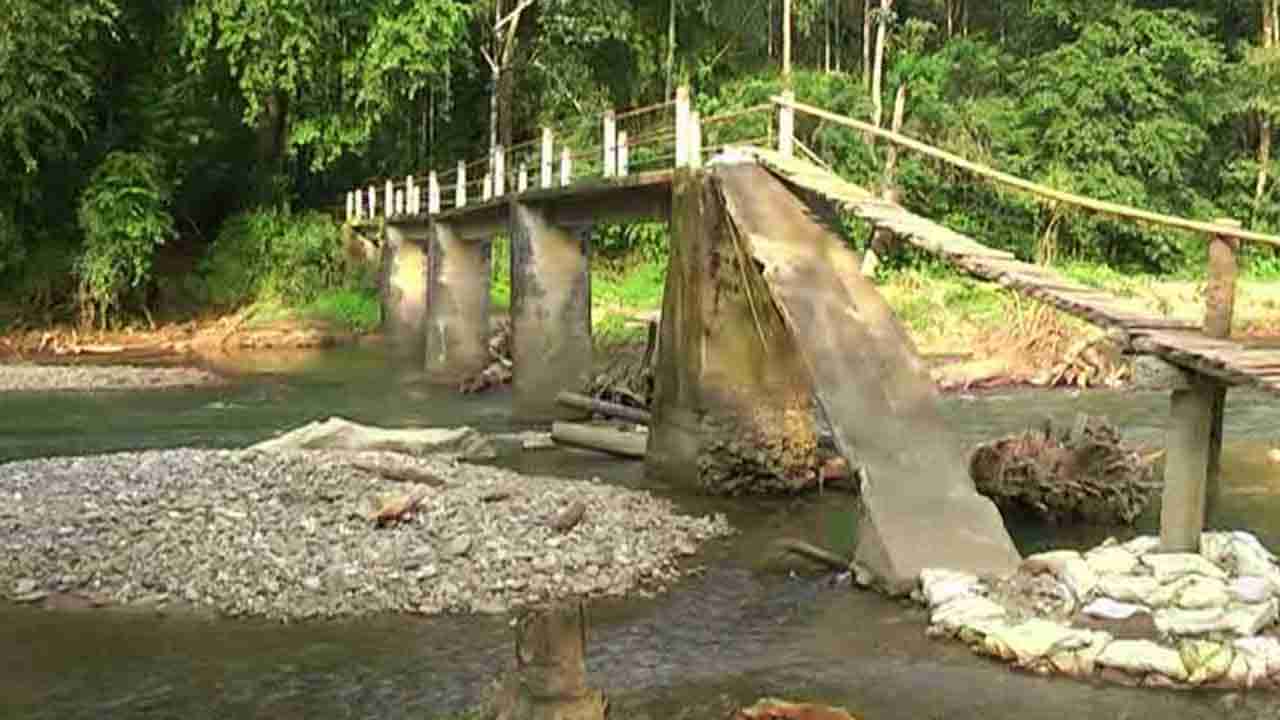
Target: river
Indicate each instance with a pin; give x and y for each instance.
(742, 628)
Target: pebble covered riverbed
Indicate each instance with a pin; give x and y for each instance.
(41, 378)
(290, 535)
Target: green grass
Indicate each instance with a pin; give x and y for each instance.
(500, 275)
(638, 285)
(355, 310)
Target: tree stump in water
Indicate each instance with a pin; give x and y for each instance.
(550, 678)
(1086, 474)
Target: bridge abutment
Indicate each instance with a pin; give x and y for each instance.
(457, 317)
(403, 283)
(550, 312)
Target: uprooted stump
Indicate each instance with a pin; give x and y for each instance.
(1085, 474)
(550, 678)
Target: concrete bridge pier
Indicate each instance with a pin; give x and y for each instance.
(403, 280)
(457, 317)
(550, 311)
(733, 403)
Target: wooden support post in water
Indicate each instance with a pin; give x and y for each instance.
(610, 144)
(1195, 429)
(1220, 302)
(548, 158)
(682, 126)
(433, 193)
(460, 193)
(566, 167)
(787, 126)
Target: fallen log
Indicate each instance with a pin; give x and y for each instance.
(1086, 473)
(815, 553)
(399, 473)
(607, 440)
(601, 407)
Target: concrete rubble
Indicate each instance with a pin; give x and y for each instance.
(1139, 618)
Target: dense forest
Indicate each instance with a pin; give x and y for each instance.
(160, 152)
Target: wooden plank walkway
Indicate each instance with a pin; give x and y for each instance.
(1178, 341)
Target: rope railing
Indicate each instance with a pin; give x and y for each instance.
(1126, 212)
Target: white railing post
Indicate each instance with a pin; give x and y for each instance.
(373, 202)
(682, 126)
(610, 144)
(548, 157)
(350, 207)
(460, 193)
(522, 180)
(388, 207)
(400, 202)
(499, 171)
(433, 193)
(412, 196)
(787, 126)
(624, 157)
(488, 187)
(695, 141)
(566, 167)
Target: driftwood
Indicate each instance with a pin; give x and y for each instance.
(1086, 473)
(772, 709)
(602, 439)
(398, 508)
(498, 372)
(567, 519)
(601, 407)
(399, 473)
(815, 553)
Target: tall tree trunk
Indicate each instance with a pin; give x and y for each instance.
(671, 48)
(950, 10)
(866, 43)
(826, 37)
(1264, 124)
(272, 136)
(839, 31)
(877, 73)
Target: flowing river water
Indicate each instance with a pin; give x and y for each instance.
(741, 628)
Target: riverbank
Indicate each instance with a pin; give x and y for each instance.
(293, 535)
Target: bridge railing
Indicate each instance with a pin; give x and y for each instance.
(652, 137)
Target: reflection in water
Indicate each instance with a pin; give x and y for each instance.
(721, 638)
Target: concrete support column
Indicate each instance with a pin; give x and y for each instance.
(404, 284)
(550, 312)
(732, 406)
(457, 318)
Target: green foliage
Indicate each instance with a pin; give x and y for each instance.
(278, 255)
(124, 215)
(357, 310)
(500, 274)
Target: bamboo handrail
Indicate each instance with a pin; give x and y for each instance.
(641, 110)
(1114, 209)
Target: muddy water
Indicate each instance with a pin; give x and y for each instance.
(743, 627)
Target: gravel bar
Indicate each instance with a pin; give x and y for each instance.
(36, 378)
(289, 535)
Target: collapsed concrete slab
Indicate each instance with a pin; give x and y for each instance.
(828, 335)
